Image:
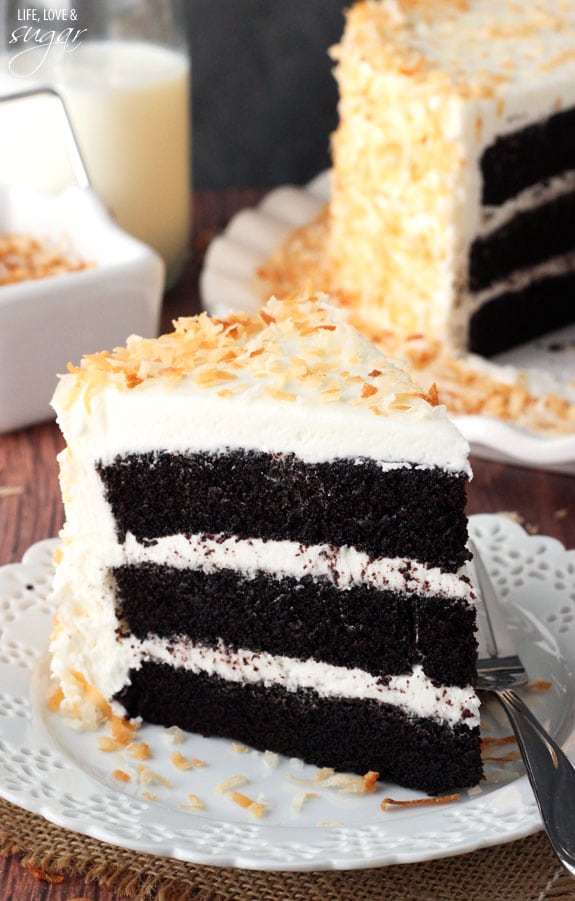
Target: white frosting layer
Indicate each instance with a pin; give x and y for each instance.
(344, 566)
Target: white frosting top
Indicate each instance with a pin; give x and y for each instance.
(294, 378)
(482, 43)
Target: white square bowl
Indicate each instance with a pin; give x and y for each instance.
(46, 323)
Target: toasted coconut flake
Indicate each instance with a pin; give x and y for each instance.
(174, 735)
(324, 773)
(27, 258)
(42, 875)
(140, 750)
(418, 802)
(344, 782)
(368, 390)
(271, 759)
(147, 776)
(491, 741)
(108, 744)
(55, 700)
(300, 799)
(231, 783)
(195, 803)
(256, 808)
(180, 762)
(370, 781)
(463, 385)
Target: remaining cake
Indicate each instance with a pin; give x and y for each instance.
(453, 194)
(265, 539)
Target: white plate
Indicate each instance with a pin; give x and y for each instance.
(45, 323)
(228, 282)
(48, 768)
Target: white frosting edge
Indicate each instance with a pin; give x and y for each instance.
(344, 566)
(184, 419)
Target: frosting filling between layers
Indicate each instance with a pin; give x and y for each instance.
(413, 692)
(344, 566)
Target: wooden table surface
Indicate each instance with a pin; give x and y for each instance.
(545, 501)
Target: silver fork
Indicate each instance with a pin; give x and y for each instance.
(551, 774)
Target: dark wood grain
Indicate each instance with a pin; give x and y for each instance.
(544, 501)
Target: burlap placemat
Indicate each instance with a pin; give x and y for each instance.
(524, 870)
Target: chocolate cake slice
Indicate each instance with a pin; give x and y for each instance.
(265, 540)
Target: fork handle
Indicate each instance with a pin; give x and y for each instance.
(551, 774)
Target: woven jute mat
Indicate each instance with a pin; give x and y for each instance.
(524, 870)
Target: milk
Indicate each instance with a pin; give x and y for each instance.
(129, 104)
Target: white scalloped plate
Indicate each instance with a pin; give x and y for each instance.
(47, 768)
(228, 282)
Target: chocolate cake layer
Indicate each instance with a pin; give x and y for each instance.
(349, 735)
(512, 318)
(529, 238)
(523, 158)
(408, 512)
(382, 632)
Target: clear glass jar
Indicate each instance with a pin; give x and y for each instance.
(123, 70)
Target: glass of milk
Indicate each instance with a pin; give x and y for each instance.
(123, 70)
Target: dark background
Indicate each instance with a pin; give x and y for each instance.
(264, 99)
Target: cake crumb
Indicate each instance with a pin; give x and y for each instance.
(197, 762)
(42, 876)
(324, 773)
(121, 776)
(237, 748)
(561, 513)
(149, 796)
